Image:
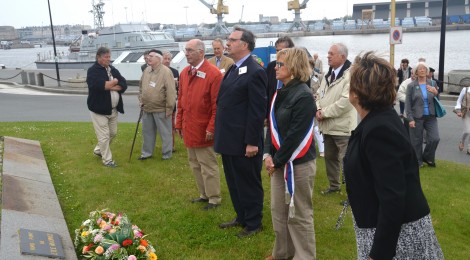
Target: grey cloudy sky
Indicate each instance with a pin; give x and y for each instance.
(21, 13)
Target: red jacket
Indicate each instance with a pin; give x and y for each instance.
(197, 104)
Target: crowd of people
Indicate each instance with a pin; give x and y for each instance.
(282, 117)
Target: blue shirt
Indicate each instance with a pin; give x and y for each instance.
(425, 99)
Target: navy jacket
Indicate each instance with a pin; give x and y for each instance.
(99, 99)
(382, 180)
(241, 109)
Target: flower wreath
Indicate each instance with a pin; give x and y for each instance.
(106, 235)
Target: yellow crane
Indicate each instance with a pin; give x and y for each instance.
(296, 6)
(220, 10)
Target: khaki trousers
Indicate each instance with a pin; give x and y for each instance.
(105, 129)
(335, 149)
(203, 162)
(295, 237)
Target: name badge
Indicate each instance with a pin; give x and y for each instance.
(242, 70)
(152, 84)
(201, 74)
(222, 71)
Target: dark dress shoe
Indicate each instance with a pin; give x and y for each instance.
(210, 206)
(233, 223)
(429, 163)
(329, 191)
(246, 233)
(199, 200)
(143, 158)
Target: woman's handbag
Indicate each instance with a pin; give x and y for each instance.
(440, 110)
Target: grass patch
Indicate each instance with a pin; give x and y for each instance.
(155, 194)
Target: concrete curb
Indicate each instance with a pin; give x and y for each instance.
(29, 200)
(67, 90)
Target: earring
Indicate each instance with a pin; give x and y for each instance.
(291, 76)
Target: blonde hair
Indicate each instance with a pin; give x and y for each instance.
(296, 62)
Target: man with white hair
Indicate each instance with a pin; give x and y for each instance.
(335, 114)
(157, 97)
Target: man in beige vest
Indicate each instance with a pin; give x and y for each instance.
(220, 60)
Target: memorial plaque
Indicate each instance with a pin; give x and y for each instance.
(33, 242)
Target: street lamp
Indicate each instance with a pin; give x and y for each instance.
(186, 7)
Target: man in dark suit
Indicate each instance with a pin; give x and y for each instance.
(281, 43)
(241, 109)
(403, 73)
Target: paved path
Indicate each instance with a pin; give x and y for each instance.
(29, 200)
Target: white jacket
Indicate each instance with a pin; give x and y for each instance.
(339, 116)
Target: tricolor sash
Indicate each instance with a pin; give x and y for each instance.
(298, 153)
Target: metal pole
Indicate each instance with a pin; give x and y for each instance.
(135, 134)
(392, 24)
(442, 47)
(53, 43)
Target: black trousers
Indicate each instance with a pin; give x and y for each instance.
(243, 176)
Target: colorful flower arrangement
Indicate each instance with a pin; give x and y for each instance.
(106, 235)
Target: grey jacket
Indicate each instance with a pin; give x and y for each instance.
(414, 102)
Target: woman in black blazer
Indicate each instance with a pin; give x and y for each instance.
(391, 214)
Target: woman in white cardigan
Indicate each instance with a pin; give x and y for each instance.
(461, 108)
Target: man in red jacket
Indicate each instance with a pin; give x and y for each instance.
(198, 89)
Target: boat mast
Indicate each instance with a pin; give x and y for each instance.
(98, 14)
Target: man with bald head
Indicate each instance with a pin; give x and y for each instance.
(195, 121)
(335, 114)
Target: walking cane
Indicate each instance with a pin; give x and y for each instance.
(135, 134)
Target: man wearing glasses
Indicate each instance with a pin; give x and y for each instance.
(157, 97)
(281, 43)
(241, 109)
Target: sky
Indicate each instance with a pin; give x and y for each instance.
(22, 13)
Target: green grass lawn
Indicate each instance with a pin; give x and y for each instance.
(156, 194)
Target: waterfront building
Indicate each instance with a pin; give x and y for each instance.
(457, 10)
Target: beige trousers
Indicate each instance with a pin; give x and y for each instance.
(105, 130)
(203, 162)
(295, 237)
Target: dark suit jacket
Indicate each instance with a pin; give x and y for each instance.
(382, 179)
(99, 99)
(414, 102)
(241, 109)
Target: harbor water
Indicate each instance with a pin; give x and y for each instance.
(414, 46)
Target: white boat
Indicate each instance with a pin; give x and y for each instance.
(119, 38)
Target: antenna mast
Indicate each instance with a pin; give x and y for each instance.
(98, 13)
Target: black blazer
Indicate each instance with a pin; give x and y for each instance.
(241, 109)
(382, 180)
(99, 99)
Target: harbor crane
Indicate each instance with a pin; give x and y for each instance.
(220, 28)
(98, 14)
(296, 6)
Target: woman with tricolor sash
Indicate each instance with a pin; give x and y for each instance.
(289, 157)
